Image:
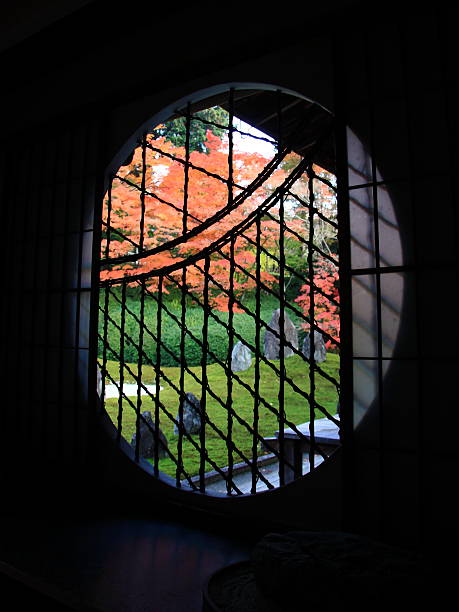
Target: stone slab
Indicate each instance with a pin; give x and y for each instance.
(325, 431)
(129, 390)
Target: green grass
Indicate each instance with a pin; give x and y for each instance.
(296, 406)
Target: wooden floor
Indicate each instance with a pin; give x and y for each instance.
(119, 565)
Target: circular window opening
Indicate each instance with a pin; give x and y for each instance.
(219, 257)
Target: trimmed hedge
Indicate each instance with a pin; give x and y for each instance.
(171, 336)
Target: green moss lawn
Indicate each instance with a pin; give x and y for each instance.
(296, 407)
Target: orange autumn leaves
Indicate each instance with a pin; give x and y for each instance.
(154, 201)
(326, 301)
(175, 202)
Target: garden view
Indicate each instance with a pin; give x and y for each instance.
(172, 309)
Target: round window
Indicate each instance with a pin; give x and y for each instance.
(219, 304)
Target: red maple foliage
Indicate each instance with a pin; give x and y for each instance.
(154, 200)
(326, 300)
(173, 204)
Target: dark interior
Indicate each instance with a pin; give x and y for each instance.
(83, 526)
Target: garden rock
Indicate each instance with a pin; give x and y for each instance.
(147, 438)
(272, 342)
(191, 415)
(99, 380)
(320, 352)
(241, 357)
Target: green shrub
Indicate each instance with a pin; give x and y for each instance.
(171, 335)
